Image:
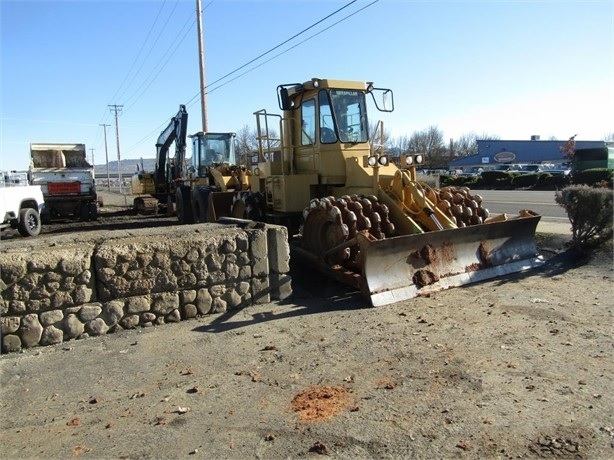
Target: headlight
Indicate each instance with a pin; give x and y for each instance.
(409, 160)
(419, 159)
(372, 161)
(383, 160)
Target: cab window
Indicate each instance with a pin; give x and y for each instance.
(308, 117)
(327, 123)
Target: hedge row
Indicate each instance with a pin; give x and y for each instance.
(511, 180)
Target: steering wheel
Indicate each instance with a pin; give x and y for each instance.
(327, 136)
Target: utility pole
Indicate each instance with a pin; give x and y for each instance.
(116, 109)
(106, 156)
(201, 61)
(93, 162)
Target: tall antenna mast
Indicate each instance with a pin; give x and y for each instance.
(201, 60)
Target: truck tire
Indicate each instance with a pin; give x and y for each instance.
(184, 205)
(93, 210)
(84, 211)
(46, 215)
(29, 222)
(200, 203)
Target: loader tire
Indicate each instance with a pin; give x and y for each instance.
(29, 222)
(249, 205)
(184, 205)
(200, 204)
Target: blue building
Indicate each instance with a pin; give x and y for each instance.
(492, 153)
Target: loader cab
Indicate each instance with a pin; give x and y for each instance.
(328, 123)
(212, 149)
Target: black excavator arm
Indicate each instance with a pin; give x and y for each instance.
(176, 131)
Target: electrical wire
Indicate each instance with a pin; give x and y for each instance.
(192, 101)
(279, 54)
(138, 55)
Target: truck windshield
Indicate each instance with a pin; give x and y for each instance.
(215, 149)
(350, 114)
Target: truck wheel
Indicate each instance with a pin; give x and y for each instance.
(46, 215)
(29, 222)
(84, 211)
(200, 204)
(93, 210)
(184, 205)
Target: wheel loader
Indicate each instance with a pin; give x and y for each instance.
(354, 214)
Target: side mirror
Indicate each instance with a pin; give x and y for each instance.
(284, 100)
(383, 99)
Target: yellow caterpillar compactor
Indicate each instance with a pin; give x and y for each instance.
(353, 213)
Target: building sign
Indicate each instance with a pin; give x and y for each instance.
(505, 157)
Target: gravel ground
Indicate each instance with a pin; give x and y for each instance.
(518, 367)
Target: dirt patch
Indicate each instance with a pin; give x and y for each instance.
(320, 403)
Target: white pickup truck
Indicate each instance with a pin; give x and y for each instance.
(21, 205)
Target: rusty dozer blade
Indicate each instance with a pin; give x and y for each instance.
(400, 268)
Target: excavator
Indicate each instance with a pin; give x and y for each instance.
(158, 187)
(173, 176)
(353, 213)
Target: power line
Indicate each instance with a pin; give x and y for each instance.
(286, 41)
(190, 101)
(138, 55)
(157, 71)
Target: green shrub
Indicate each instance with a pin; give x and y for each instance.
(557, 181)
(492, 178)
(593, 176)
(460, 181)
(590, 211)
(525, 180)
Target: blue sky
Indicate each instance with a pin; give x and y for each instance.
(508, 68)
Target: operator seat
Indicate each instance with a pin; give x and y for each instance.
(210, 156)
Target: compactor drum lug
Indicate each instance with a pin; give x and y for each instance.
(353, 239)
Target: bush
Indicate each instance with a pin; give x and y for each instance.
(492, 178)
(461, 181)
(525, 180)
(590, 211)
(593, 176)
(557, 181)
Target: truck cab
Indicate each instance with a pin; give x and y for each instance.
(21, 204)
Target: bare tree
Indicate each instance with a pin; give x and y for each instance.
(375, 133)
(430, 142)
(609, 137)
(464, 146)
(246, 143)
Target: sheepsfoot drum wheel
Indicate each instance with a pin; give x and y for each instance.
(29, 222)
(332, 226)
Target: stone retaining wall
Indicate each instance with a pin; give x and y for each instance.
(62, 290)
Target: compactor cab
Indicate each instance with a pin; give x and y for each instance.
(320, 145)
